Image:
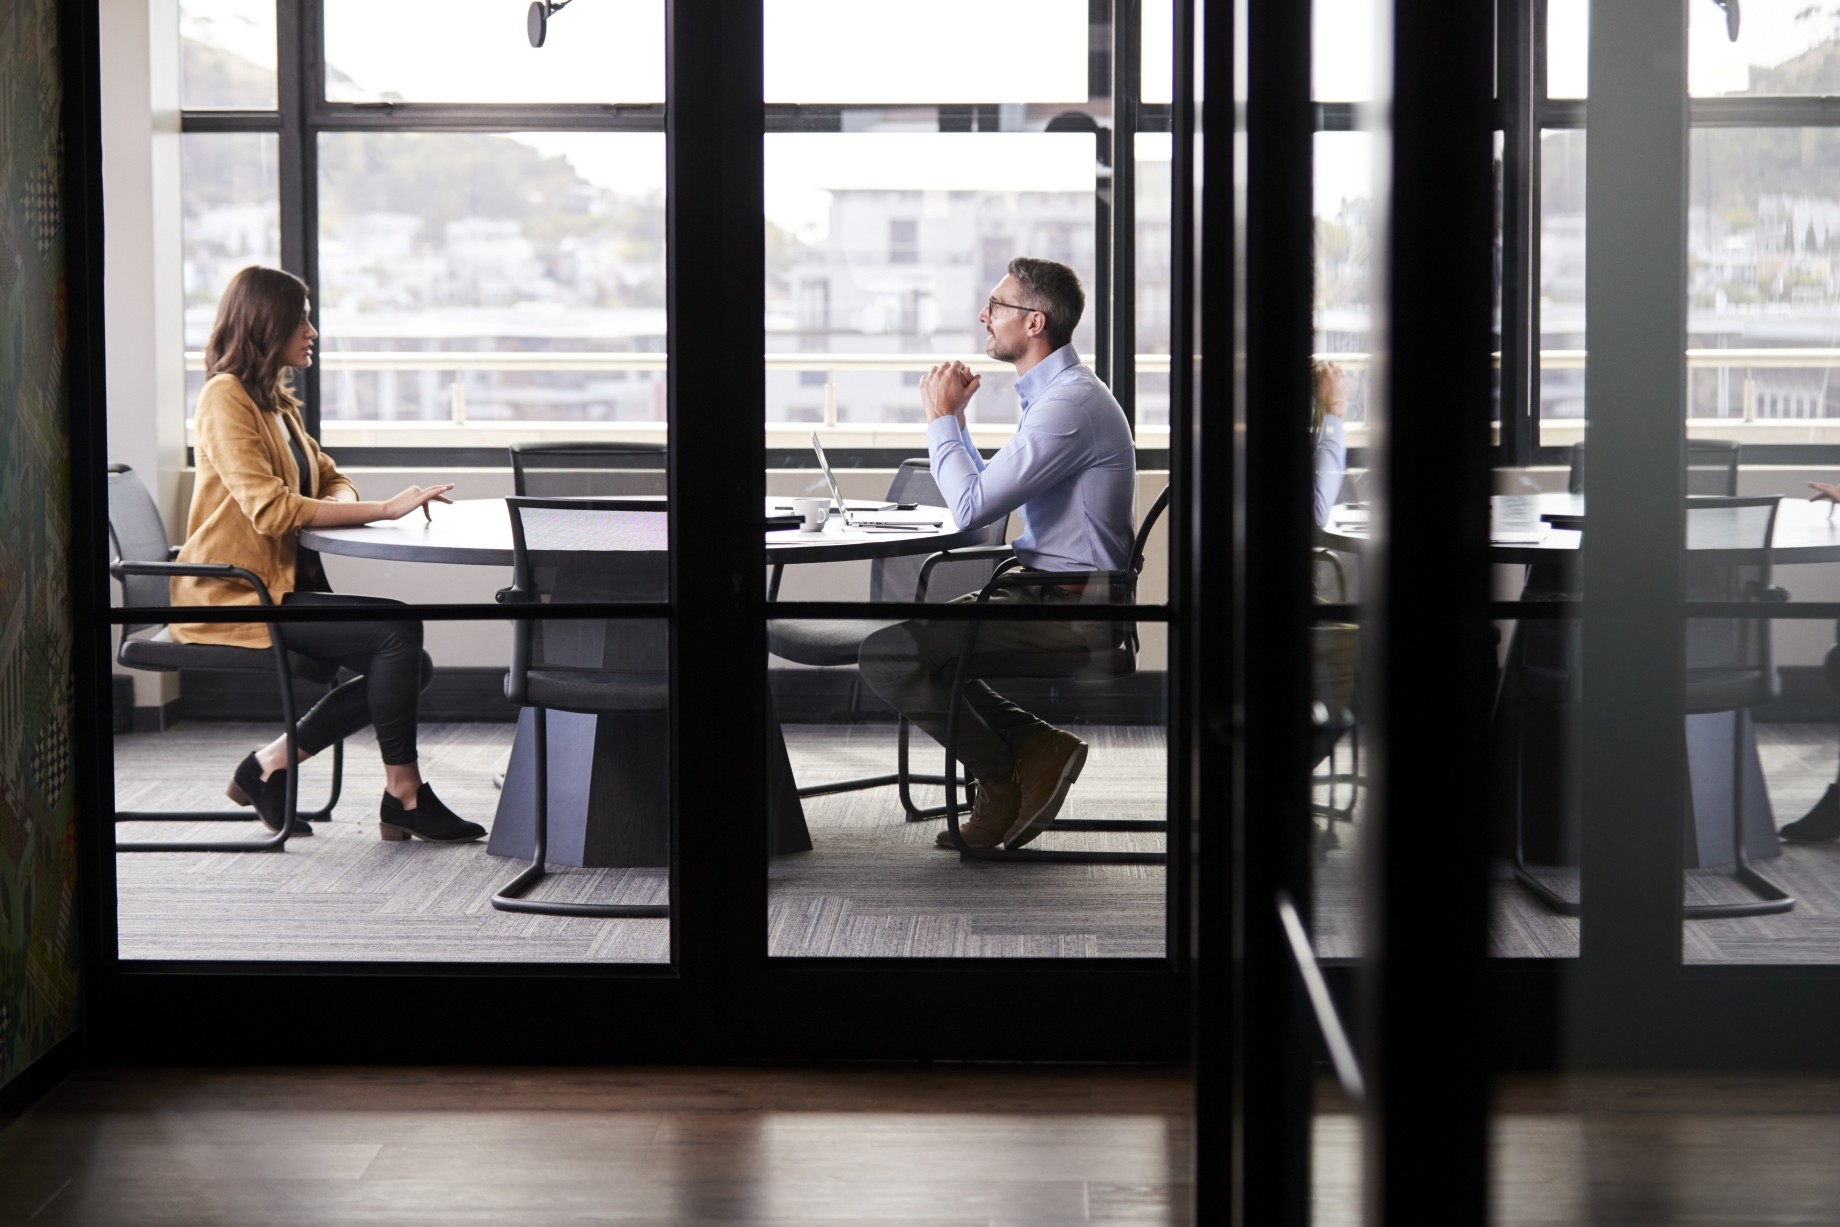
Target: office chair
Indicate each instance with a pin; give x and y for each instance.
(560, 469)
(571, 666)
(1119, 662)
(911, 577)
(1730, 667)
(1335, 659)
(564, 468)
(1712, 467)
(145, 564)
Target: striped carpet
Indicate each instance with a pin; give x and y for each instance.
(873, 885)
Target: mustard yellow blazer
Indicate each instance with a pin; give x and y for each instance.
(248, 504)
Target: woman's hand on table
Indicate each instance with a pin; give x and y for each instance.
(399, 505)
(343, 512)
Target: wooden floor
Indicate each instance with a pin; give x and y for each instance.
(903, 1147)
(895, 1146)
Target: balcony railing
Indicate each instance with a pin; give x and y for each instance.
(457, 429)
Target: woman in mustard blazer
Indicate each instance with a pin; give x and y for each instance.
(261, 477)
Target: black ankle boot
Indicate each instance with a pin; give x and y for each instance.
(269, 796)
(1819, 824)
(429, 820)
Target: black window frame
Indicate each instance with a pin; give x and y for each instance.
(302, 113)
(1525, 112)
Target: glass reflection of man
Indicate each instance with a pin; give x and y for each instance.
(1329, 405)
(1822, 823)
(1071, 470)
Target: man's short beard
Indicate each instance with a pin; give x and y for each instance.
(994, 348)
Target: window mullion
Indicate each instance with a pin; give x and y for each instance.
(298, 30)
(1127, 73)
(1517, 88)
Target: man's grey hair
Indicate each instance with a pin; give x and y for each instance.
(1053, 289)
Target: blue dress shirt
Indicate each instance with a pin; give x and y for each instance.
(1330, 462)
(1071, 469)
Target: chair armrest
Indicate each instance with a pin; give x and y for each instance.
(1007, 577)
(971, 553)
(209, 570)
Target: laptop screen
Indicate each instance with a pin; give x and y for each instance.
(829, 477)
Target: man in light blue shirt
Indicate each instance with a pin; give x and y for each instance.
(1329, 387)
(1070, 470)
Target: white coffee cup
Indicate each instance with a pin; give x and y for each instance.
(812, 513)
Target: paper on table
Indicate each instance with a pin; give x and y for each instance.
(1514, 519)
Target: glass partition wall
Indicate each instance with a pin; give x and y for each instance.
(484, 252)
(895, 202)
(515, 257)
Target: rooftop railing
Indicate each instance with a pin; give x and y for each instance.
(457, 429)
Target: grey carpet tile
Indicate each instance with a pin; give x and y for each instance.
(1799, 762)
(873, 886)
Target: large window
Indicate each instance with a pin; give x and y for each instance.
(482, 222)
(1764, 193)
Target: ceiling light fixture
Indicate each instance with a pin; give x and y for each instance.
(1731, 17)
(537, 21)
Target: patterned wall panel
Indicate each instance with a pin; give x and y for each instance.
(38, 864)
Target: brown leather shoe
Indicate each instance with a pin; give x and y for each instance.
(993, 813)
(1046, 766)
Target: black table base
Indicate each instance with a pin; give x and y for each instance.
(609, 793)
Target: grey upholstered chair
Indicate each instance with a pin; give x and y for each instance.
(144, 563)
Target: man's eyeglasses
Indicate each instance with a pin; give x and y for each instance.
(1013, 306)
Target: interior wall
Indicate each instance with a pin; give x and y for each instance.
(38, 869)
(143, 319)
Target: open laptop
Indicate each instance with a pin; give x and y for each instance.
(862, 517)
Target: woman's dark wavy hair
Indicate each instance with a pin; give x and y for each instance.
(259, 312)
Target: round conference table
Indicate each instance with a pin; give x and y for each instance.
(609, 796)
(477, 532)
(1804, 532)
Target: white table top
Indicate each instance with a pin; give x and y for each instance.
(1804, 533)
(478, 532)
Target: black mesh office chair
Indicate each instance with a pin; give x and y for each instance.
(145, 566)
(1712, 467)
(1120, 662)
(1729, 667)
(567, 468)
(596, 468)
(911, 577)
(589, 667)
(1335, 661)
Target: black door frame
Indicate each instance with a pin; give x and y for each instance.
(723, 998)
